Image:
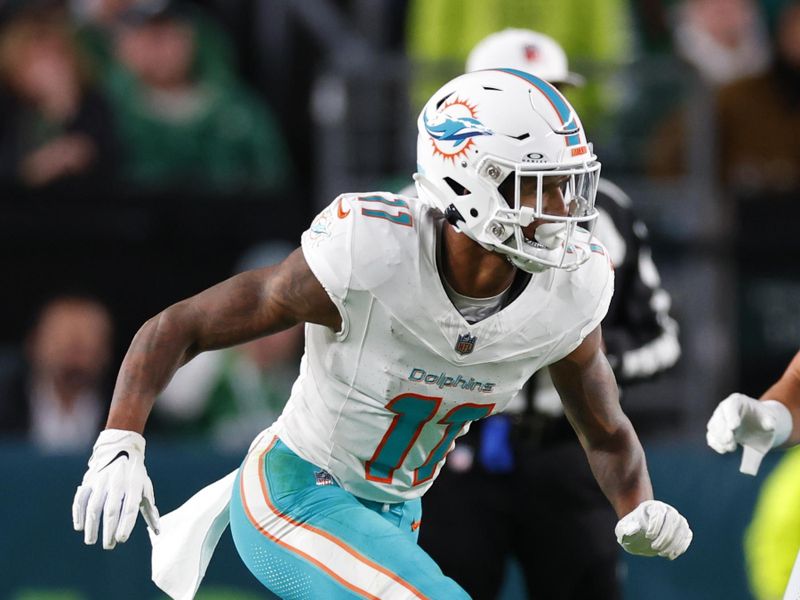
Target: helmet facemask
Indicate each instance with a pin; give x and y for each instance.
(533, 234)
(545, 218)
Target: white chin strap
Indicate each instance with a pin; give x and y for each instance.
(551, 235)
(556, 253)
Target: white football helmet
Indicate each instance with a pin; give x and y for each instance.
(484, 127)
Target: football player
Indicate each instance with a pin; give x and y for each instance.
(422, 316)
(530, 450)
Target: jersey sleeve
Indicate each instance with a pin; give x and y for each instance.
(594, 286)
(327, 248)
(354, 246)
(601, 289)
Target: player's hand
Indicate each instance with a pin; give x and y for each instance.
(654, 529)
(117, 487)
(757, 425)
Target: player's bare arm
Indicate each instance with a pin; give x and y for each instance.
(787, 391)
(589, 393)
(242, 308)
(591, 402)
(256, 303)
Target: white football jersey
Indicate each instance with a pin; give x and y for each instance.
(380, 403)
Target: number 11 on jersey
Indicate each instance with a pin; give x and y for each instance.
(412, 413)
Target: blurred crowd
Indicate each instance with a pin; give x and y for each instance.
(279, 101)
(143, 96)
(152, 94)
(141, 93)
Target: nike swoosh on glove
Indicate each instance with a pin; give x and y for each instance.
(654, 529)
(115, 488)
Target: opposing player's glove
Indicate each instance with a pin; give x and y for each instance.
(116, 486)
(758, 425)
(654, 529)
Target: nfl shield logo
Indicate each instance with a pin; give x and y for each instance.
(465, 343)
(323, 478)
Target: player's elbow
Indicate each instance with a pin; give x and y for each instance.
(610, 437)
(174, 326)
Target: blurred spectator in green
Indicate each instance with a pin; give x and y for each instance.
(57, 127)
(758, 119)
(58, 398)
(180, 126)
(97, 20)
(230, 395)
(441, 33)
(94, 21)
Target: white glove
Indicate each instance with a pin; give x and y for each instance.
(654, 529)
(758, 425)
(116, 486)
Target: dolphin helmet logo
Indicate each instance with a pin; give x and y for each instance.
(451, 130)
(456, 130)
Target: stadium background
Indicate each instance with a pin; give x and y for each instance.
(343, 80)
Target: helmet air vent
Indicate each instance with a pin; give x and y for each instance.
(441, 101)
(457, 188)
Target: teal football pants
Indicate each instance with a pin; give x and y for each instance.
(304, 537)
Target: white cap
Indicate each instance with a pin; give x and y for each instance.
(526, 50)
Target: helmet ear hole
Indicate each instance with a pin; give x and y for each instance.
(458, 189)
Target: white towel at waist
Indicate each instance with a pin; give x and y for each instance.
(189, 534)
